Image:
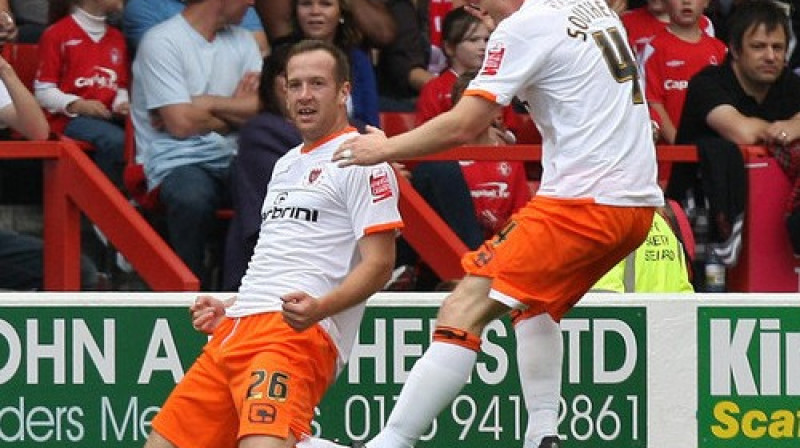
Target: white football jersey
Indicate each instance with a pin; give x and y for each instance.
(312, 218)
(570, 64)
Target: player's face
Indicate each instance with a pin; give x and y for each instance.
(318, 19)
(315, 102)
(685, 13)
(763, 55)
(468, 54)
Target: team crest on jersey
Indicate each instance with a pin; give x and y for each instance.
(504, 169)
(314, 176)
(379, 185)
(494, 57)
(116, 57)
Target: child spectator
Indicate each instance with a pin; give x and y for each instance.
(82, 81)
(646, 21)
(672, 57)
(464, 39)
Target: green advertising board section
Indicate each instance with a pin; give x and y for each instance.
(604, 396)
(749, 364)
(93, 369)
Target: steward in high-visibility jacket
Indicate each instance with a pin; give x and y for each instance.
(658, 265)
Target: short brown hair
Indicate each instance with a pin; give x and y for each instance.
(341, 67)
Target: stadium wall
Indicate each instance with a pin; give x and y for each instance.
(706, 370)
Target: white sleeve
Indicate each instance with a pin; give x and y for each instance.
(121, 98)
(5, 97)
(5, 102)
(52, 98)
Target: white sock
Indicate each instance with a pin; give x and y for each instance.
(540, 353)
(432, 384)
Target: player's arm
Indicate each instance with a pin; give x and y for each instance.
(463, 123)
(373, 271)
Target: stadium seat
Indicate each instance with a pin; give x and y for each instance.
(133, 175)
(25, 60)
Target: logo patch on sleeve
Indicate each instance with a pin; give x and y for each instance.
(379, 185)
(262, 413)
(494, 57)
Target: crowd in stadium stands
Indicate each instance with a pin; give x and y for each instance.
(405, 56)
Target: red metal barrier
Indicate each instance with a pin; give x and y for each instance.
(73, 184)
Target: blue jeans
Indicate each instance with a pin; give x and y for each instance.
(108, 140)
(191, 195)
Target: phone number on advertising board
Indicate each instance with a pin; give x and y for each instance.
(581, 417)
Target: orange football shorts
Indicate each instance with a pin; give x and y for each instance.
(256, 376)
(552, 251)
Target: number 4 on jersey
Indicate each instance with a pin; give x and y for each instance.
(619, 60)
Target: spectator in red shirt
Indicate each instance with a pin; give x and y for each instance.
(83, 77)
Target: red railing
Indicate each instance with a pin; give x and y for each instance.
(73, 184)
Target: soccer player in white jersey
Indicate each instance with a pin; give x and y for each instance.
(326, 244)
(569, 62)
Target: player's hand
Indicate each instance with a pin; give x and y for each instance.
(207, 312)
(300, 310)
(366, 149)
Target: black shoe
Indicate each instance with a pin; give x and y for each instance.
(550, 442)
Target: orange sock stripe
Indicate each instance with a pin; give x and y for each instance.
(452, 335)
